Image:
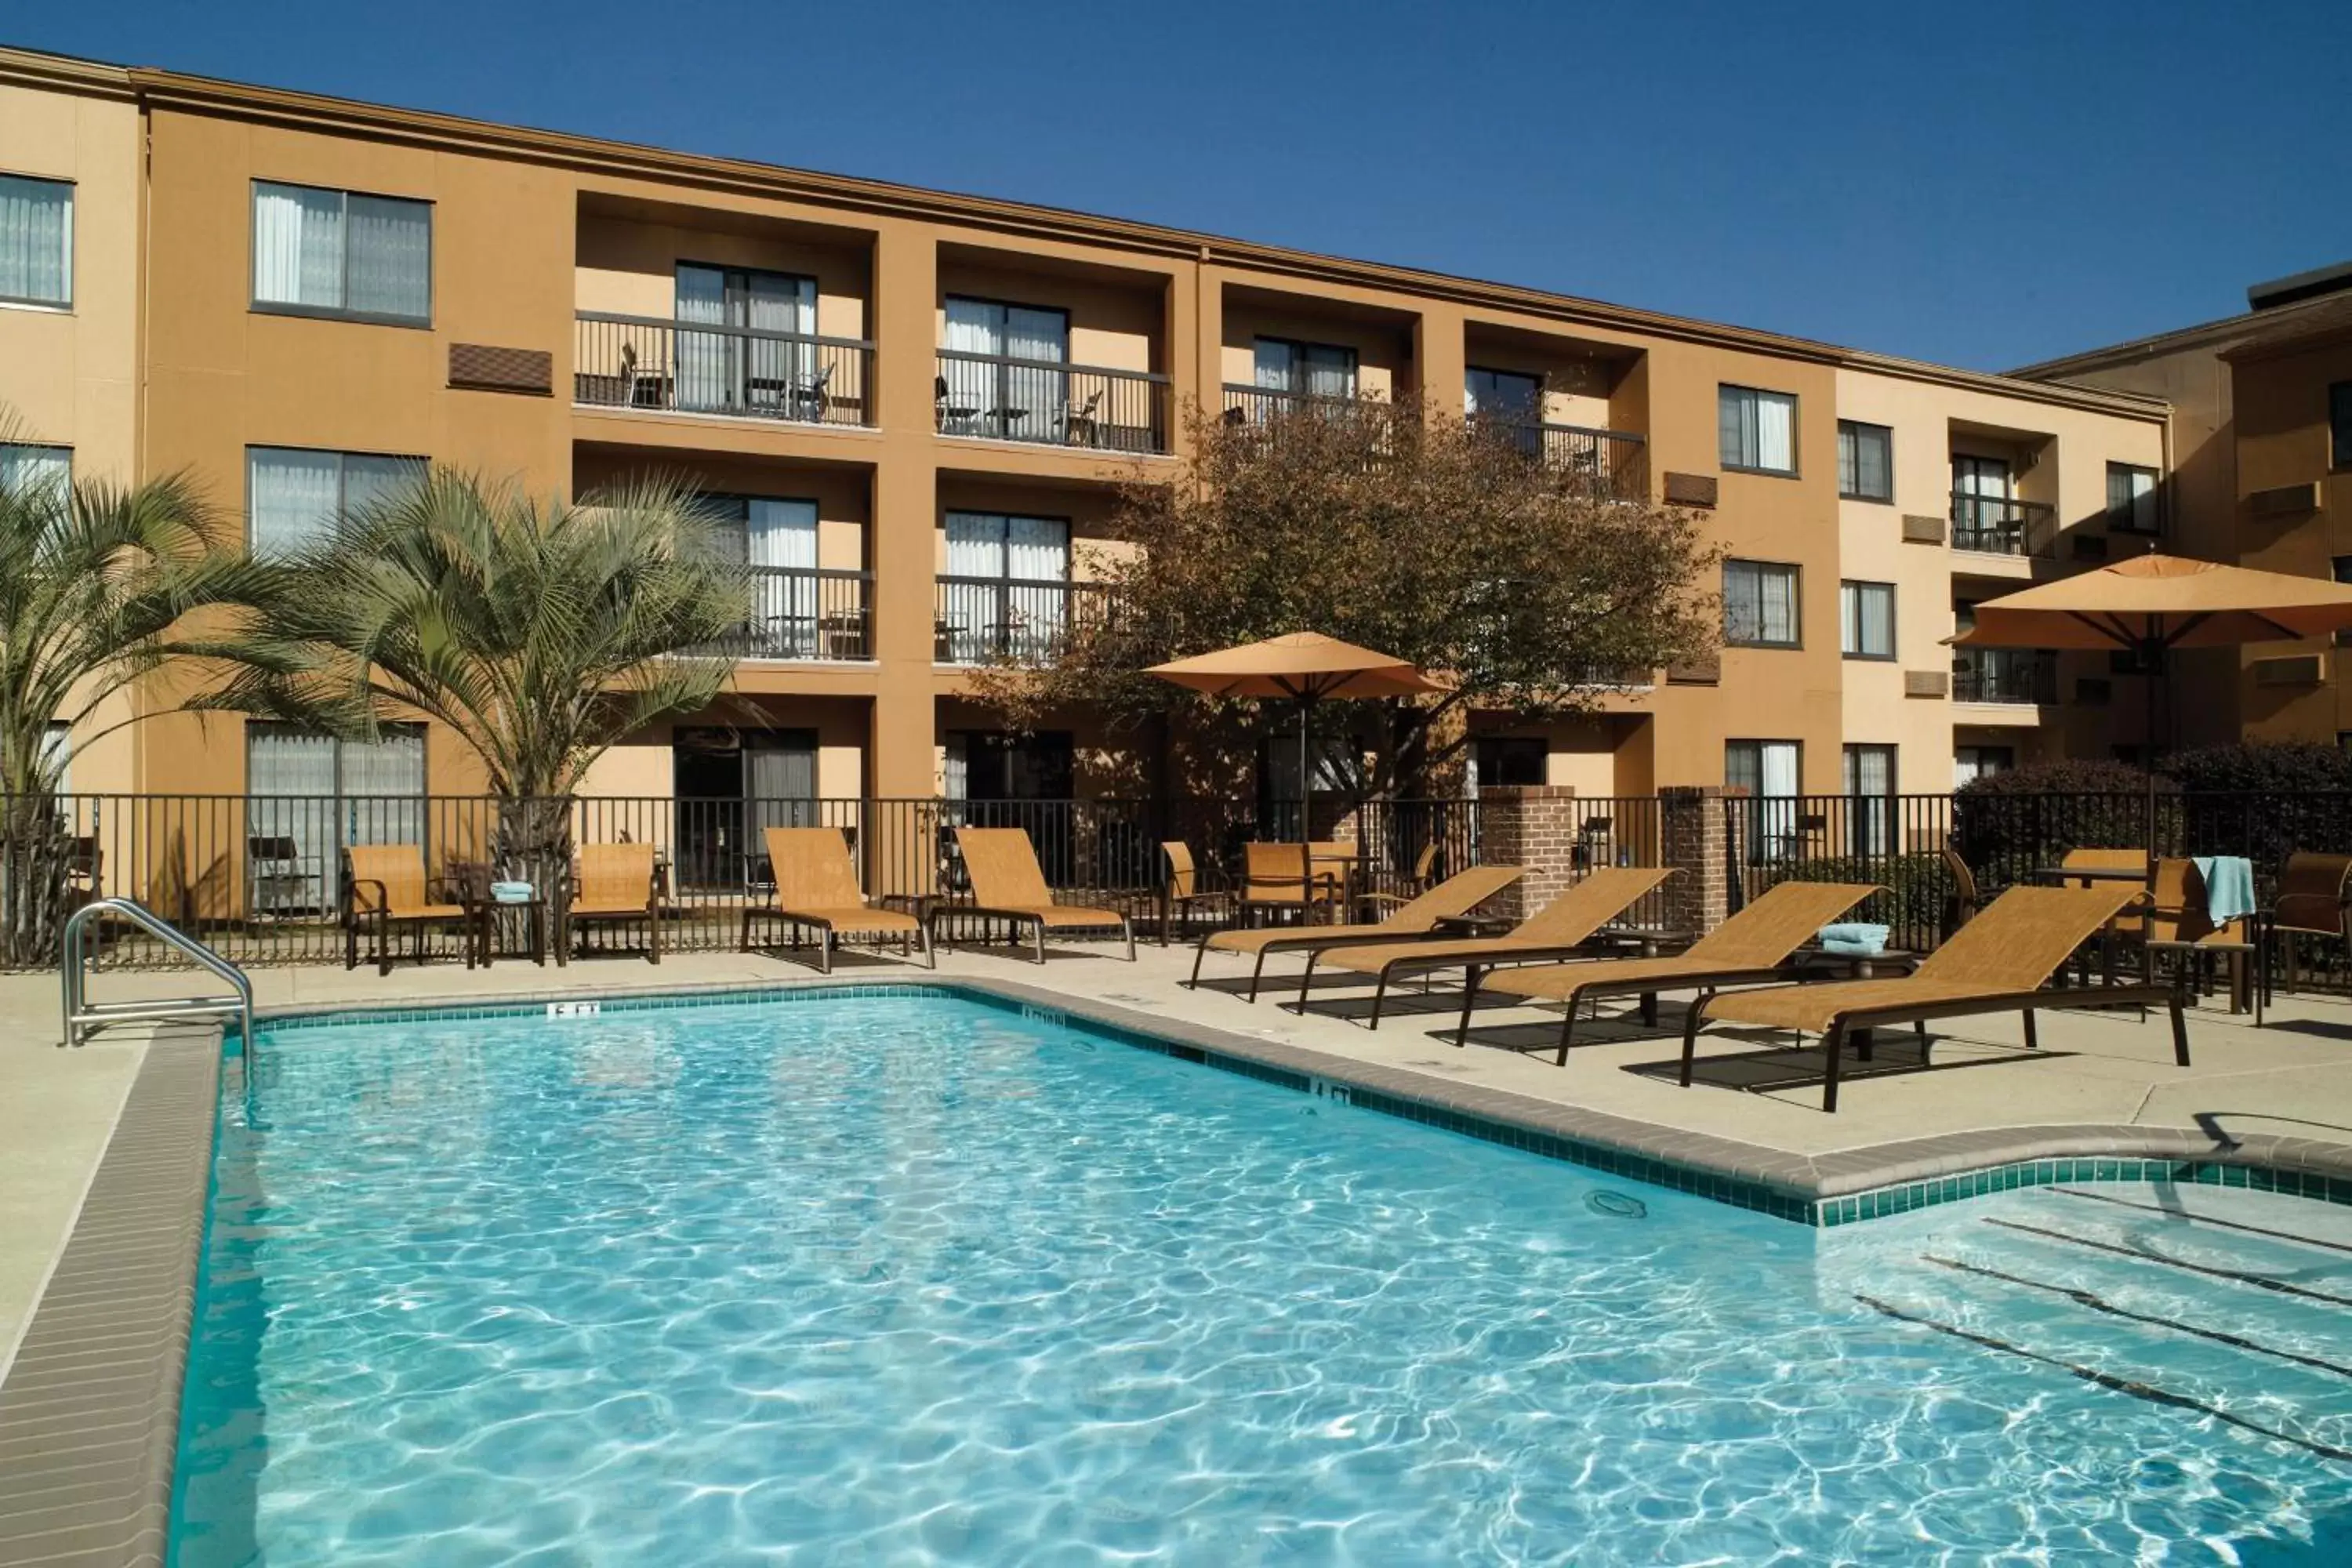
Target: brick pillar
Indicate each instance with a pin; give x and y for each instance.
(1694, 839)
(1530, 826)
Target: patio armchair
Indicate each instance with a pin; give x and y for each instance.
(1278, 876)
(1409, 886)
(815, 887)
(1008, 884)
(1455, 896)
(2179, 924)
(1188, 888)
(2313, 899)
(1558, 930)
(2000, 962)
(1962, 906)
(1752, 946)
(613, 884)
(385, 890)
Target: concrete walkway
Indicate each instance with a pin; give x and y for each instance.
(2292, 1079)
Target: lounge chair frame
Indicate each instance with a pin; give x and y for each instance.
(829, 920)
(1311, 942)
(1034, 915)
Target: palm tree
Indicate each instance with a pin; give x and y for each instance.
(98, 584)
(539, 635)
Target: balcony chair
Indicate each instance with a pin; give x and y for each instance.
(1079, 424)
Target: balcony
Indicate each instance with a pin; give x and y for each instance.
(742, 373)
(808, 613)
(2021, 675)
(1265, 405)
(1051, 403)
(1609, 465)
(992, 620)
(2002, 525)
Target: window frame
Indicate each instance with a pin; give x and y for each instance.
(51, 446)
(73, 203)
(1854, 427)
(1796, 445)
(262, 307)
(1298, 360)
(1796, 575)
(342, 456)
(1848, 594)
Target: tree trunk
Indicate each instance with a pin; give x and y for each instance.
(36, 867)
(533, 844)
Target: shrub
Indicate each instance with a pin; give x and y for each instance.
(2004, 825)
(2269, 767)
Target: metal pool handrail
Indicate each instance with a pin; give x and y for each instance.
(83, 1015)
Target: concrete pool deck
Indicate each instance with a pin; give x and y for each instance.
(2103, 1083)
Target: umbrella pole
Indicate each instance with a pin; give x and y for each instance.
(1306, 780)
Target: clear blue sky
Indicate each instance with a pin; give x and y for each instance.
(1982, 184)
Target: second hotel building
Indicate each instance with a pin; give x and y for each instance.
(916, 406)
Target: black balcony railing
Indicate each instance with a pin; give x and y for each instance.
(2002, 525)
(1610, 465)
(678, 367)
(999, 398)
(803, 613)
(2004, 675)
(983, 620)
(1265, 405)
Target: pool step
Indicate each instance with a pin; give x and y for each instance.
(2204, 1301)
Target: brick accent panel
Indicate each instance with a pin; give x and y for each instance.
(1531, 825)
(1694, 839)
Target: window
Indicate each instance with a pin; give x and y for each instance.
(1759, 430)
(1867, 619)
(1503, 394)
(311, 796)
(1005, 592)
(36, 241)
(2131, 499)
(1768, 771)
(295, 497)
(1011, 402)
(777, 538)
(1865, 461)
(2339, 425)
(1311, 369)
(1870, 799)
(1508, 760)
(56, 753)
(1760, 605)
(1980, 762)
(24, 467)
(335, 253)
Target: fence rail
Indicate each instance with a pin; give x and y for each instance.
(1000, 398)
(803, 613)
(2003, 525)
(680, 367)
(1608, 465)
(982, 620)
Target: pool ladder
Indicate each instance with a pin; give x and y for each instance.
(83, 1015)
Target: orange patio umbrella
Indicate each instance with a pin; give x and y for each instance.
(2152, 604)
(1305, 668)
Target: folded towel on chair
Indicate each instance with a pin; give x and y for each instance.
(2229, 886)
(1853, 939)
(510, 893)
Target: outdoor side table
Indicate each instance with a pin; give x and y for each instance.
(534, 922)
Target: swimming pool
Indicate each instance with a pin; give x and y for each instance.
(916, 1277)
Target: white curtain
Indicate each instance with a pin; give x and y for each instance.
(291, 497)
(974, 327)
(28, 468)
(1276, 364)
(780, 303)
(1870, 786)
(975, 612)
(1775, 420)
(1868, 619)
(1034, 399)
(1330, 372)
(1037, 553)
(370, 480)
(290, 817)
(782, 541)
(706, 361)
(36, 240)
(975, 544)
(297, 246)
(391, 271)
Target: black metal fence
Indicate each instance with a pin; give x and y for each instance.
(2002, 525)
(804, 611)
(1000, 398)
(1897, 841)
(679, 367)
(980, 620)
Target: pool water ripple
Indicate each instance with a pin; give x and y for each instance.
(923, 1280)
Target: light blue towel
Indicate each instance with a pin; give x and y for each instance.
(1853, 939)
(2229, 886)
(510, 893)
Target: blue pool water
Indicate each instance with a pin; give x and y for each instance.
(919, 1279)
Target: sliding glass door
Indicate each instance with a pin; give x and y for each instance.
(1013, 392)
(726, 371)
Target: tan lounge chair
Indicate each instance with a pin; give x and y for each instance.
(386, 889)
(1998, 963)
(1752, 946)
(816, 886)
(1457, 895)
(614, 884)
(1556, 930)
(1007, 884)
